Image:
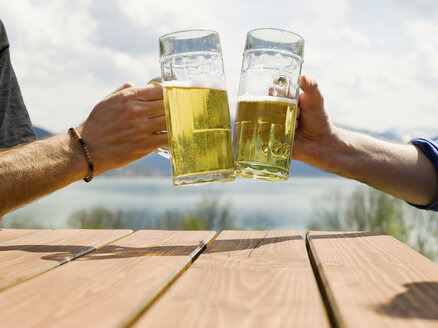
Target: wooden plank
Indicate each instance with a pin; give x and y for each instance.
(9, 234)
(370, 279)
(24, 258)
(107, 287)
(244, 279)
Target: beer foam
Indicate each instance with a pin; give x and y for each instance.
(196, 84)
(266, 98)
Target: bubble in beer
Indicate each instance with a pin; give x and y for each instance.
(276, 148)
(285, 150)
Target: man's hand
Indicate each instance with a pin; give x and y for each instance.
(401, 170)
(313, 125)
(125, 126)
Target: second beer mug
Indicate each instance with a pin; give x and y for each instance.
(197, 111)
(267, 104)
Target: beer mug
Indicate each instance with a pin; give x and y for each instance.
(196, 105)
(267, 101)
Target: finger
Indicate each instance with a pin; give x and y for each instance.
(151, 91)
(297, 123)
(309, 85)
(298, 111)
(311, 96)
(150, 109)
(156, 124)
(159, 140)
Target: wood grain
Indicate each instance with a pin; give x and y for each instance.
(9, 234)
(371, 279)
(107, 287)
(24, 258)
(244, 279)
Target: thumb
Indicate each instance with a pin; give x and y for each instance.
(311, 95)
(309, 85)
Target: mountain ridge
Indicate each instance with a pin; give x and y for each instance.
(155, 165)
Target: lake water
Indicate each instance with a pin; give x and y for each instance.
(283, 205)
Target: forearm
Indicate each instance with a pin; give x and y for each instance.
(398, 169)
(123, 127)
(36, 169)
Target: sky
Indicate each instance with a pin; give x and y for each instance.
(376, 61)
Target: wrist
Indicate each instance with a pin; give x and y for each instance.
(86, 153)
(337, 150)
(96, 148)
(317, 151)
(78, 162)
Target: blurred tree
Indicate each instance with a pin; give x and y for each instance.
(209, 213)
(425, 234)
(192, 222)
(22, 222)
(104, 218)
(367, 209)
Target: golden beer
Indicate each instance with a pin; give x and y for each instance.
(199, 130)
(264, 131)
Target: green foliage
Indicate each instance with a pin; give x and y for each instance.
(367, 209)
(171, 220)
(192, 222)
(22, 222)
(425, 236)
(209, 213)
(372, 210)
(103, 218)
(215, 214)
(259, 221)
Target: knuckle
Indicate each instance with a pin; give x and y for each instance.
(155, 86)
(132, 111)
(126, 95)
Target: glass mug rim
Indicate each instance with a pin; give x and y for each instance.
(202, 34)
(296, 36)
(193, 41)
(274, 39)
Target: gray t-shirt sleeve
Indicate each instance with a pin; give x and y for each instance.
(15, 125)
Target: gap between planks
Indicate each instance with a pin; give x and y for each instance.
(57, 263)
(160, 290)
(239, 252)
(372, 279)
(320, 282)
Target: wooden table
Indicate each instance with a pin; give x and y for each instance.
(120, 278)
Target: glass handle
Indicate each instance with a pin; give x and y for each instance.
(162, 151)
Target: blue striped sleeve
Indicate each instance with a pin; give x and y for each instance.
(430, 149)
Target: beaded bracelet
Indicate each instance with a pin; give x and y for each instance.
(86, 153)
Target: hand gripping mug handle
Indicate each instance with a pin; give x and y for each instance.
(162, 151)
